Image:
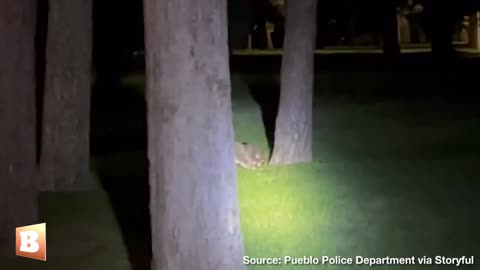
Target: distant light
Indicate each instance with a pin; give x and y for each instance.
(138, 53)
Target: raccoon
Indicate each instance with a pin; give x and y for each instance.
(249, 156)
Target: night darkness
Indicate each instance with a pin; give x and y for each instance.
(253, 134)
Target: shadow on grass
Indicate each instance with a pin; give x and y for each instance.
(128, 192)
(267, 96)
(134, 220)
(119, 146)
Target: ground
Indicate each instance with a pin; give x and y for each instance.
(391, 177)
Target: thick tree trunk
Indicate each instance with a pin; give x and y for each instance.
(293, 132)
(66, 110)
(194, 203)
(18, 201)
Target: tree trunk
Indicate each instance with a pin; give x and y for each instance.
(404, 33)
(473, 35)
(193, 189)
(66, 111)
(18, 202)
(442, 41)
(293, 132)
(390, 39)
(240, 20)
(440, 19)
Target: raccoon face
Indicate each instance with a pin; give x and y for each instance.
(249, 156)
(259, 162)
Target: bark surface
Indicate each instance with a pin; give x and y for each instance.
(65, 157)
(193, 188)
(18, 202)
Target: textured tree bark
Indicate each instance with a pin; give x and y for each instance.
(66, 111)
(18, 202)
(293, 131)
(193, 189)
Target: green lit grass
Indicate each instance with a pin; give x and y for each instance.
(389, 179)
(367, 208)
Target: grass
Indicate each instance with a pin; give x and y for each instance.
(390, 178)
(82, 233)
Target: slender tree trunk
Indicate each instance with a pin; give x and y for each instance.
(66, 111)
(240, 20)
(18, 202)
(442, 38)
(293, 132)
(473, 35)
(440, 21)
(390, 39)
(351, 28)
(193, 189)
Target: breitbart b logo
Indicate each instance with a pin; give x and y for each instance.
(32, 242)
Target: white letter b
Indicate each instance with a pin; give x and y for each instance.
(29, 242)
